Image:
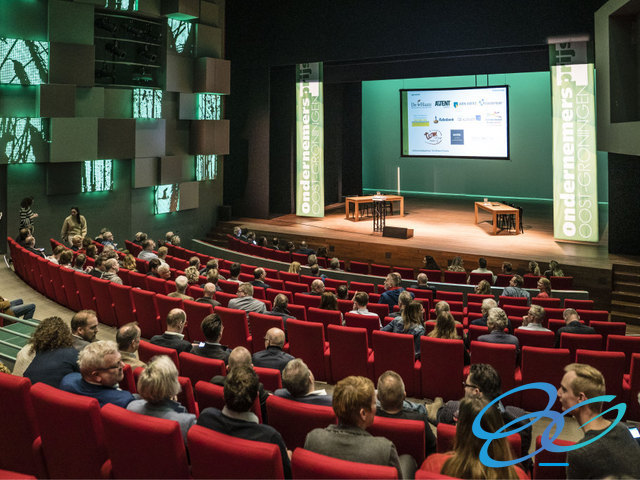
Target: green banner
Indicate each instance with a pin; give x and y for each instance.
(575, 189)
(310, 140)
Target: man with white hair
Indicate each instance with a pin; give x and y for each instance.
(100, 371)
(300, 385)
(111, 267)
(488, 304)
(317, 288)
(497, 322)
(181, 287)
(259, 275)
(533, 320)
(147, 250)
(173, 336)
(208, 292)
(245, 300)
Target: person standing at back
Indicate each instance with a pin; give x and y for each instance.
(74, 224)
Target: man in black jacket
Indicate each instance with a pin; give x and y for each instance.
(212, 329)
(273, 356)
(173, 336)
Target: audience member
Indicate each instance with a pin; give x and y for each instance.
(299, 385)
(164, 272)
(208, 292)
(317, 288)
(554, 270)
(211, 265)
(100, 371)
(294, 267)
(483, 288)
(334, 264)
(314, 271)
(616, 454)
(410, 322)
(533, 320)
(92, 251)
(488, 304)
(30, 245)
(515, 289)
(273, 356)
(328, 301)
(312, 260)
(544, 285)
(342, 292)
(79, 262)
(74, 224)
(404, 299)
(280, 304)
(496, 322)
(55, 356)
(441, 307)
(245, 301)
(55, 255)
(360, 302)
(107, 239)
(173, 336)
(234, 272)
(429, 263)
(304, 249)
(111, 267)
(193, 275)
(423, 283)
(76, 243)
(457, 265)
(572, 324)
(128, 340)
(84, 328)
(445, 327)
(354, 403)
(147, 251)
(237, 232)
(507, 268)
(482, 268)
(66, 258)
(195, 262)
(162, 254)
(159, 387)
(393, 404)
(236, 418)
(17, 308)
(533, 269)
(259, 275)
(212, 329)
(129, 263)
(181, 287)
(393, 288)
(140, 238)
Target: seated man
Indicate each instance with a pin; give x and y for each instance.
(154, 263)
(360, 302)
(317, 288)
(259, 276)
(79, 262)
(280, 304)
(299, 385)
(234, 272)
(173, 337)
(304, 249)
(84, 328)
(181, 287)
(208, 291)
(236, 418)
(147, 250)
(354, 402)
(392, 395)
(245, 301)
(423, 283)
(17, 308)
(482, 268)
(488, 304)
(515, 289)
(111, 268)
(334, 264)
(98, 267)
(616, 454)
(497, 322)
(100, 371)
(393, 289)
(573, 325)
(107, 239)
(533, 320)
(164, 272)
(273, 356)
(212, 329)
(128, 340)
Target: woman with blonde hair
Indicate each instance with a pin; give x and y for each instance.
(544, 285)
(410, 322)
(192, 274)
(159, 387)
(445, 327)
(294, 267)
(554, 270)
(464, 461)
(483, 288)
(457, 265)
(534, 269)
(129, 263)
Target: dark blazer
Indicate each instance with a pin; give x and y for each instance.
(258, 283)
(171, 341)
(500, 337)
(211, 350)
(574, 327)
(272, 357)
(210, 301)
(430, 439)
(325, 400)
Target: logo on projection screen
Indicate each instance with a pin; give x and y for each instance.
(433, 137)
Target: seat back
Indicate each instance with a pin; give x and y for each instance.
(307, 300)
(535, 338)
(531, 281)
(382, 270)
(455, 277)
(199, 368)
(589, 315)
(349, 352)
(295, 419)
(307, 464)
(608, 328)
(573, 341)
(405, 272)
(228, 286)
(165, 304)
(546, 302)
(542, 365)
(561, 283)
(82, 432)
(442, 363)
(362, 287)
(407, 435)
(210, 395)
(325, 317)
(475, 331)
(272, 293)
(58, 285)
(259, 324)
(475, 278)
(236, 329)
(138, 280)
(610, 364)
(382, 309)
(446, 436)
(359, 267)
(578, 304)
(296, 287)
(154, 447)
(20, 443)
(216, 455)
(155, 284)
(71, 289)
(146, 312)
(368, 322)
(632, 389)
(306, 341)
(106, 311)
(623, 343)
(147, 350)
(269, 377)
(85, 292)
(298, 311)
(554, 462)
(196, 313)
(395, 351)
(122, 303)
(502, 357)
(449, 296)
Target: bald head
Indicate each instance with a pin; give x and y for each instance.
(209, 289)
(317, 286)
(274, 337)
(239, 356)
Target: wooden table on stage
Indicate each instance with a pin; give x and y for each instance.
(356, 201)
(497, 208)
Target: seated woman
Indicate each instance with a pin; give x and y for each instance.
(410, 322)
(534, 269)
(483, 288)
(554, 270)
(328, 301)
(457, 265)
(430, 263)
(544, 285)
(294, 267)
(129, 263)
(193, 275)
(55, 356)
(464, 461)
(76, 243)
(159, 387)
(446, 328)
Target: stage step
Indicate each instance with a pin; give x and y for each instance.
(625, 295)
(625, 307)
(619, 267)
(627, 287)
(627, 318)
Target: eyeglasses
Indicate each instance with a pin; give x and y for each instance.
(118, 365)
(465, 385)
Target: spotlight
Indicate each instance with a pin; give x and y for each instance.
(105, 24)
(147, 54)
(141, 76)
(115, 49)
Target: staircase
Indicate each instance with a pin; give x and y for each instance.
(625, 295)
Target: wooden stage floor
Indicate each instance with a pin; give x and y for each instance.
(447, 225)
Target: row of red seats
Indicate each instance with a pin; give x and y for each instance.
(363, 268)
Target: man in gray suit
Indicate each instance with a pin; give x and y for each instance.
(84, 328)
(245, 300)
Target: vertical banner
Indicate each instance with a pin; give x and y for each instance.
(309, 140)
(575, 188)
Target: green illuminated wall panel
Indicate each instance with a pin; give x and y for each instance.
(181, 37)
(23, 140)
(23, 62)
(209, 107)
(147, 103)
(97, 176)
(206, 167)
(124, 5)
(166, 198)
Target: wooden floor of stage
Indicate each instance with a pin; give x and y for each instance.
(449, 226)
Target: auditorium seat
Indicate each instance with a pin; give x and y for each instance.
(574, 341)
(216, 455)
(141, 446)
(157, 285)
(69, 424)
(306, 300)
(542, 365)
(631, 388)
(147, 350)
(333, 283)
(349, 352)
(269, 377)
(224, 298)
(442, 363)
(589, 315)
(228, 286)
(186, 397)
(325, 317)
(128, 382)
(610, 364)
(475, 331)
(578, 304)
(608, 328)
(535, 338)
(71, 289)
(476, 278)
(503, 280)
(395, 351)
(382, 309)
(477, 298)
(236, 328)
(405, 272)
(359, 267)
(196, 291)
(546, 302)
(308, 280)
(503, 358)
(196, 313)
(554, 461)
(165, 304)
(449, 297)
(531, 281)
(146, 312)
(298, 311)
(289, 277)
(122, 303)
(309, 465)
(295, 419)
(199, 368)
(273, 282)
(407, 435)
(296, 287)
(368, 322)
(282, 256)
(142, 266)
(455, 277)
(210, 395)
(137, 280)
(626, 344)
(272, 293)
(87, 299)
(106, 311)
(259, 324)
(307, 341)
(514, 301)
(53, 271)
(561, 283)
(299, 257)
(20, 442)
(446, 435)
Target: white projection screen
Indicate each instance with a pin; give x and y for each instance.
(457, 122)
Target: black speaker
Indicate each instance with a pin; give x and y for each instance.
(397, 232)
(224, 213)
